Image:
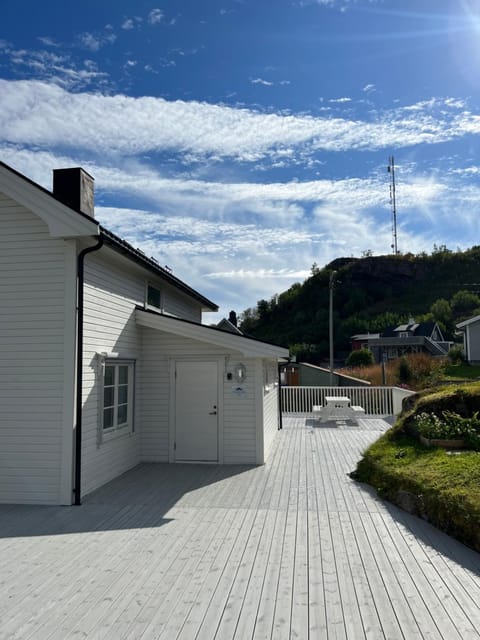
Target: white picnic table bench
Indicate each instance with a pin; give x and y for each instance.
(337, 408)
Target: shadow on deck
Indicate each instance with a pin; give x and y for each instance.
(293, 548)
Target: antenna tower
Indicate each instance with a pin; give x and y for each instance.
(391, 171)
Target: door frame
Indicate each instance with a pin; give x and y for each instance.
(220, 362)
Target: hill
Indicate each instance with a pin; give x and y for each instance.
(369, 294)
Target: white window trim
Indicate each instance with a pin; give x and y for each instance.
(105, 435)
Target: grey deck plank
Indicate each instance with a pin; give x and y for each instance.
(291, 549)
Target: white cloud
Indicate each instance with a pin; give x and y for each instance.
(340, 100)
(49, 42)
(254, 232)
(369, 88)
(56, 68)
(472, 171)
(266, 83)
(128, 24)
(47, 115)
(155, 16)
(95, 41)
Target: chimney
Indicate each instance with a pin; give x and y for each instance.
(74, 187)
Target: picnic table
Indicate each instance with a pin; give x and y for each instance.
(338, 408)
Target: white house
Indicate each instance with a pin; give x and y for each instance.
(104, 360)
(471, 339)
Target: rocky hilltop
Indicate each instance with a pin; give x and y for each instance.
(370, 293)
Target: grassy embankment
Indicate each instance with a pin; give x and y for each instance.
(439, 485)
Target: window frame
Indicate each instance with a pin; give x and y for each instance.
(127, 427)
(151, 285)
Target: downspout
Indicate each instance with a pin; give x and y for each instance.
(79, 382)
(280, 403)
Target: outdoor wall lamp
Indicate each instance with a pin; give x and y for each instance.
(239, 372)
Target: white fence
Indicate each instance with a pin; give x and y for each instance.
(377, 401)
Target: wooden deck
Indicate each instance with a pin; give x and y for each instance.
(293, 549)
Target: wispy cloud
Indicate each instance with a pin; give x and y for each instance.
(55, 67)
(266, 83)
(48, 42)
(128, 24)
(94, 41)
(155, 16)
(48, 115)
(192, 224)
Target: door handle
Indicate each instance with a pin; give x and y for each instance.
(212, 413)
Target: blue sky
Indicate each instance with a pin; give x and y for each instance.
(240, 141)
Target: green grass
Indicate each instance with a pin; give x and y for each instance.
(461, 371)
(437, 485)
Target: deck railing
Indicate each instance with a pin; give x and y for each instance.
(377, 401)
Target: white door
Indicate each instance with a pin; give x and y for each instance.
(196, 411)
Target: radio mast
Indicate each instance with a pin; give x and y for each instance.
(391, 171)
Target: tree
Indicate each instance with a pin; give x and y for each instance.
(464, 301)
(405, 373)
(360, 358)
(442, 312)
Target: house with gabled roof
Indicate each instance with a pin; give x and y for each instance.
(104, 359)
(409, 337)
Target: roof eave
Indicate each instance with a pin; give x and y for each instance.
(62, 221)
(468, 322)
(247, 347)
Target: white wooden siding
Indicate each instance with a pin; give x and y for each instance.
(157, 352)
(270, 419)
(113, 287)
(178, 304)
(239, 426)
(32, 290)
(240, 416)
(473, 333)
(109, 325)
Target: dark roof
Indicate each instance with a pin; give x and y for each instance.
(416, 329)
(226, 325)
(122, 246)
(425, 329)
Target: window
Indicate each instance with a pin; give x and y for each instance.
(154, 296)
(117, 410)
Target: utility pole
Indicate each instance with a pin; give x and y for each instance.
(391, 171)
(330, 323)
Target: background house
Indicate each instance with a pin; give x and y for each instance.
(471, 339)
(104, 360)
(411, 337)
(303, 374)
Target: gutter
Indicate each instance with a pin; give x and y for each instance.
(79, 380)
